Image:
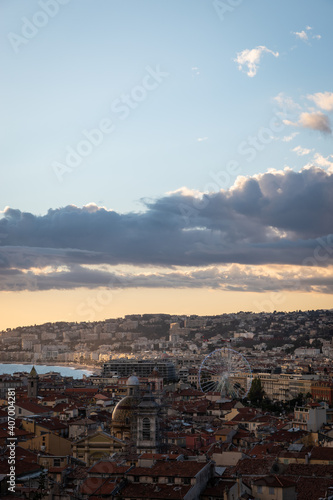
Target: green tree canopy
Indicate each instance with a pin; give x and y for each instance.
(256, 392)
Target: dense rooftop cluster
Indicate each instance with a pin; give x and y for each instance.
(83, 439)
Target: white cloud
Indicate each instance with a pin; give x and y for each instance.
(288, 108)
(302, 35)
(250, 58)
(323, 161)
(301, 151)
(288, 138)
(324, 100)
(290, 123)
(201, 139)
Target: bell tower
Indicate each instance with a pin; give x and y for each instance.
(33, 383)
(148, 435)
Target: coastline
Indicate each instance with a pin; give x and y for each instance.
(76, 366)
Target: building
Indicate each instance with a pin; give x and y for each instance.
(135, 420)
(142, 368)
(309, 418)
(274, 488)
(124, 414)
(97, 446)
(323, 391)
(33, 383)
(148, 432)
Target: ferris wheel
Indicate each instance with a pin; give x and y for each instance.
(225, 371)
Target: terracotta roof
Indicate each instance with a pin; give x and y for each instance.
(22, 467)
(262, 450)
(275, 481)
(255, 466)
(322, 453)
(17, 432)
(309, 470)
(159, 456)
(33, 407)
(50, 423)
(162, 491)
(245, 416)
(82, 390)
(97, 486)
(79, 472)
(169, 469)
(283, 436)
(108, 467)
(312, 488)
(217, 489)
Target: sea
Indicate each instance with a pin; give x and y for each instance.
(65, 371)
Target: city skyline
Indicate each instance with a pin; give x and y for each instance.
(165, 157)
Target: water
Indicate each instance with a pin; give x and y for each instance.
(65, 371)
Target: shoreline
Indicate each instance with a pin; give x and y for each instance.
(76, 366)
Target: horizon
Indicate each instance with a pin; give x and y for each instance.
(168, 314)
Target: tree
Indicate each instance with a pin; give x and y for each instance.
(256, 392)
(41, 492)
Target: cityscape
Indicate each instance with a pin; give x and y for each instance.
(148, 421)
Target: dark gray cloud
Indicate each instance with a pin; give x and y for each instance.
(273, 218)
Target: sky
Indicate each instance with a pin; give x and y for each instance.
(164, 156)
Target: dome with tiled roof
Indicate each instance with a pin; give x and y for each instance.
(125, 410)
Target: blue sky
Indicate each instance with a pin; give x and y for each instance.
(194, 119)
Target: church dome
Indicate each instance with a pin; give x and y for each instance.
(132, 380)
(125, 410)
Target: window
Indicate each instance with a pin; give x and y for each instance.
(259, 489)
(56, 462)
(271, 490)
(171, 480)
(146, 429)
(155, 479)
(187, 480)
(136, 479)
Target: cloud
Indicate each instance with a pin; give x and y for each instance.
(288, 138)
(302, 35)
(313, 120)
(232, 277)
(323, 161)
(324, 100)
(301, 151)
(201, 139)
(251, 59)
(275, 218)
